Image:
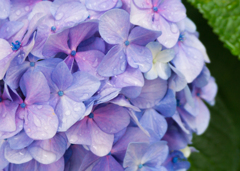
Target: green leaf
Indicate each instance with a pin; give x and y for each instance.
(224, 17)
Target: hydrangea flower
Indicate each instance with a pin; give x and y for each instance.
(106, 85)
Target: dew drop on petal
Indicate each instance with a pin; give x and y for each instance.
(18, 12)
(68, 112)
(59, 16)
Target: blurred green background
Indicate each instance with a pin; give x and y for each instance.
(219, 145)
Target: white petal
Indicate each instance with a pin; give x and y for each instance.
(152, 74)
(165, 55)
(155, 48)
(163, 70)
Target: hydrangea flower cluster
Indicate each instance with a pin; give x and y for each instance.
(101, 85)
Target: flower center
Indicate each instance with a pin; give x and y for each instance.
(16, 45)
(178, 102)
(181, 37)
(23, 105)
(109, 153)
(53, 28)
(126, 42)
(175, 160)
(32, 64)
(91, 115)
(198, 94)
(60, 93)
(73, 53)
(155, 9)
(1, 99)
(140, 166)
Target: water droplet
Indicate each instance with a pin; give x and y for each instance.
(76, 109)
(21, 153)
(95, 62)
(73, 139)
(39, 106)
(84, 96)
(36, 121)
(26, 8)
(68, 112)
(18, 12)
(174, 28)
(123, 66)
(64, 120)
(59, 16)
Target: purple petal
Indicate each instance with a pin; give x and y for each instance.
(176, 117)
(69, 14)
(10, 28)
(134, 154)
(106, 92)
(139, 57)
(19, 126)
(101, 5)
(83, 87)
(96, 44)
(5, 49)
(35, 87)
(101, 141)
(203, 116)
(172, 10)
(131, 92)
(176, 138)
(193, 41)
(58, 165)
(170, 32)
(3, 161)
(88, 61)
(82, 32)
(141, 17)
(114, 26)
(19, 141)
(113, 63)
(156, 154)
(4, 9)
(68, 112)
(152, 92)
(79, 133)
(31, 165)
(133, 134)
(56, 43)
(189, 62)
(89, 160)
(141, 36)
(143, 3)
(209, 92)
(154, 123)
(131, 77)
(62, 76)
(21, 8)
(122, 101)
(15, 72)
(5, 62)
(41, 122)
(43, 32)
(177, 81)
(49, 151)
(41, 7)
(203, 78)
(108, 163)
(17, 156)
(167, 106)
(79, 154)
(111, 118)
(7, 112)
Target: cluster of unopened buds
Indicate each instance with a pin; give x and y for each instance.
(101, 85)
